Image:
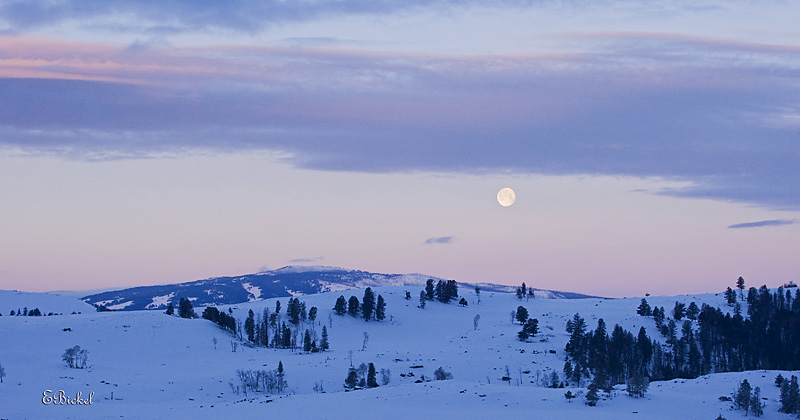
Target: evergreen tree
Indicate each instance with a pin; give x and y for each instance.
(170, 309)
(730, 296)
(371, 379)
(408, 295)
(185, 309)
(678, 311)
(277, 307)
(250, 326)
(519, 293)
(592, 396)
(463, 302)
(429, 290)
(521, 315)
(307, 341)
(530, 329)
(740, 286)
(692, 311)
(790, 396)
(422, 298)
(312, 314)
(439, 292)
(756, 406)
(2, 373)
(353, 306)
(324, 343)
(569, 396)
(742, 396)
(368, 304)
(644, 308)
(380, 309)
(524, 289)
(352, 378)
(341, 306)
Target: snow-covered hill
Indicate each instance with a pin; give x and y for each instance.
(283, 282)
(163, 367)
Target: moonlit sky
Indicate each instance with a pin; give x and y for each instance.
(654, 147)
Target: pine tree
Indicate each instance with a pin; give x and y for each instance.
(692, 311)
(312, 314)
(307, 341)
(756, 406)
(569, 396)
(380, 309)
(730, 296)
(644, 308)
(678, 311)
(422, 298)
(341, 306)
(463, 302)
(368, 304)
(530, 329)
(408, 295)
(324, 343)
(185, 309)
(742, 396)
(429, 290)
(170, 309)
(790, 396)
(592, 396)
(250, 326)
(352, 378)
(2, 373)
(740, 286)
(521, 315)
(353, 306)
(371, 379)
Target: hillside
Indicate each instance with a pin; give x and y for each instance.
(283, 282)
(159, 366)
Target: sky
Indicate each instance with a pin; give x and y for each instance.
(653, 146)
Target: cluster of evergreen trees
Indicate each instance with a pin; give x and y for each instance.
(225, 321)
(443, 291)
(268, 330)
(369, 308)
(524, 291)
(767, 339)
(530, 326)
(26, 312)
(748, 399)
(365, 376)
(790, 394)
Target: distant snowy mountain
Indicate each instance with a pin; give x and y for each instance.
(283, 282)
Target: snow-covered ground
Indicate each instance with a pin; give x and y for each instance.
(159, 366)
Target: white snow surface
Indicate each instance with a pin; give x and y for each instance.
(163, 367)
(160, 301)
(254, 291)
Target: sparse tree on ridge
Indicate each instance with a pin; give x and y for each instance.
(740, 286)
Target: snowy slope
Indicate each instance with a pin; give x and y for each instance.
(46, 302)
(161, 366)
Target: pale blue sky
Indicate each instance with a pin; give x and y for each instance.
(653, 146)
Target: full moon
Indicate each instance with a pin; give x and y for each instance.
(506, 197)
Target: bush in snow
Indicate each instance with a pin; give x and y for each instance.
(441, 375)
(75, 357)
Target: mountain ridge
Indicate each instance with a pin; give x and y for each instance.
(282, 282)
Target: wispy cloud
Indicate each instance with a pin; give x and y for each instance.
(723, 117)
(307, 260)
(775, 222)
(439, 240)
